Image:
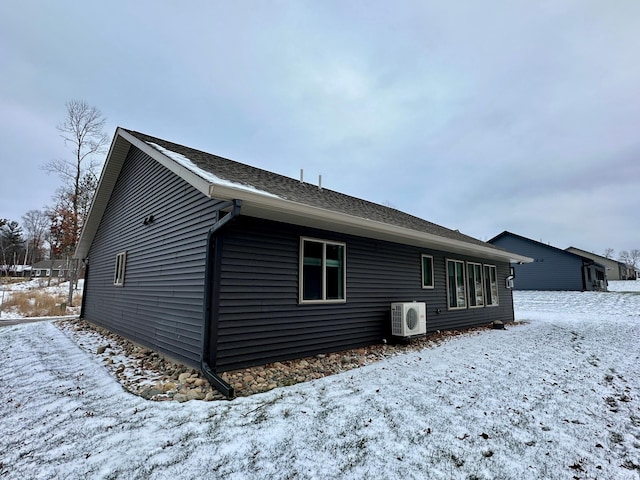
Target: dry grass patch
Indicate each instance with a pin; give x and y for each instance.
(37, 304)
(10, 280)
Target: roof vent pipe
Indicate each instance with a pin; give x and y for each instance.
(320, 182)
(301, 175)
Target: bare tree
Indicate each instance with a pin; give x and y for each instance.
(608, 253)
(83, 130)
(36, 225)
(630, 257)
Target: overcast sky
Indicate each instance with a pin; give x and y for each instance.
(479, 116)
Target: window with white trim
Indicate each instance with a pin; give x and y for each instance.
(456, 285)
(476, 285)
(427, 271)
(118, 277)
(323, 272)
(491, 285)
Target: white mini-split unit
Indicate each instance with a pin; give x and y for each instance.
(408, 319)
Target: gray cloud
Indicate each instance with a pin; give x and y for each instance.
(477, 116)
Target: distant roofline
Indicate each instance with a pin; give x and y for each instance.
(601, 257)
(530, 240)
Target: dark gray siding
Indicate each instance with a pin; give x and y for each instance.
(258, 316)
(160, 304)
(260, 320)
(552, 269)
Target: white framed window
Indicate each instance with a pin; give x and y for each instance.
(121, 261)
(476, 285)
(491, 285)
(427, 271)
(456, 285)
(323, 272)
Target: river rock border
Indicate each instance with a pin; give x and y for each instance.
(155, 377)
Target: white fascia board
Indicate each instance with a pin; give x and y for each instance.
(113, 164)
(120, 145)
(187, 175)
(275, 208)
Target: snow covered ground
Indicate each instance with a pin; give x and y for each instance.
(624, 286)
(555, 398)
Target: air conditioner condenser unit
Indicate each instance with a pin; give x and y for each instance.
(408, 319)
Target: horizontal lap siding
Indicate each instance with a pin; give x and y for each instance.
(160, 304)
(260, 320)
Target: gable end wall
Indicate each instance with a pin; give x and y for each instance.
(551, 269)
(160, 304)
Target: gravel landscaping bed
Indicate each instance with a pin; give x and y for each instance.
(150, 375)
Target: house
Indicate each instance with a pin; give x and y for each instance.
(50, 268)
(552, 268)
(15, 270)
(223, 266)
(615, 270)
(628, 272)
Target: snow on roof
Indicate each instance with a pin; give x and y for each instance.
(210, 177)
(16, 268)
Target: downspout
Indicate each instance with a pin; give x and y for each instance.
(207, 365)
(84, 286)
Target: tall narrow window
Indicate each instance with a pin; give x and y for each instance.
(427, 271)
(322, 271)
(491, 284)
(121, 260)
(476, 288)
(456, 288)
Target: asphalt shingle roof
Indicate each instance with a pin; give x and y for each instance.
(305, 193)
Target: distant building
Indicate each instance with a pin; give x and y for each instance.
(15, 270)
(628, 272)
(552, 268)
(50, 268)
(615, 270)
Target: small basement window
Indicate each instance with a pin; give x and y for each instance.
(121, 260)
(427, 271)
(323, 272)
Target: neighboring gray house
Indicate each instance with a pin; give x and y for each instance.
(552, 268)
(50, 268)
(223, 266)
(615, 270)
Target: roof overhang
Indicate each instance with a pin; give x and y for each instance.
(271, 207)
(282, 210)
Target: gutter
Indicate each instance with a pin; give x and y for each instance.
(210, 336)
(279, 209)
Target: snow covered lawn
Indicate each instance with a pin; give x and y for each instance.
(556, 398)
